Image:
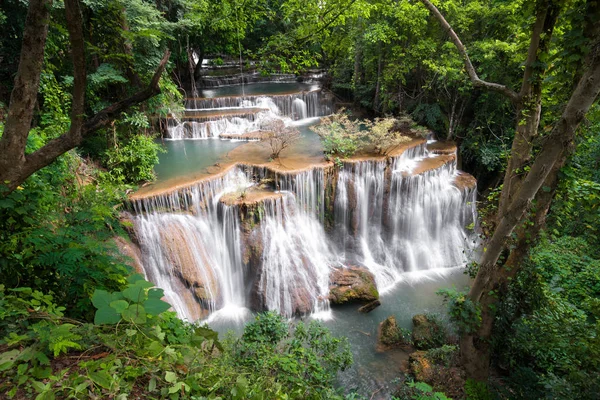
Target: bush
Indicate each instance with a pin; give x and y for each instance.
(342, 137)
(134, 161)
(137, 349)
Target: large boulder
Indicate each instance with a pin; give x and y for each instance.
(427, 332)
(390, 335)
(352, 285)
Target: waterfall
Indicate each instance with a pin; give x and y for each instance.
(393, 222)
(194, 257)
(299, 109)
(296, 260)
(309, 188)
(217, 117)
(219, 251)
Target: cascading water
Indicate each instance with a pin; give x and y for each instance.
(226, 116)
(187, 252)
(393, 222)
(391, 216)
(296, 259)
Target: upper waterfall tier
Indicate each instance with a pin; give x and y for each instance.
(238, 114)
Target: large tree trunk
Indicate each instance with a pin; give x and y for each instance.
(521, 188)
(24, 94)
(529, 107)
(491, 276)
(15, 164)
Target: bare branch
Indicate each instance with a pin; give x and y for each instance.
(505, 90)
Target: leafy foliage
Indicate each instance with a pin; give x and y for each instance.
(134, 161)
(159, 355)
(463, 312)
(342, 137)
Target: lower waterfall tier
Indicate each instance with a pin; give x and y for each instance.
(254, 238)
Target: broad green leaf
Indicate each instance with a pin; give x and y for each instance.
(134, 278)
(170, 376)
(101, 298)
(134, 293)
(135, 313)
(152, 385)
(106, 315)
(156, 293)
(156, 306)
(119, 305)
(7, 359)
(101, 378)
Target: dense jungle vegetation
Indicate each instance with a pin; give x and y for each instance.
(85, 86)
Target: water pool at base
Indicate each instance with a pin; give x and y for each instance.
(373, 371)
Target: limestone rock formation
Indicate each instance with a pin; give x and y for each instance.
(389, 335)
(352, 285)
(420, 366)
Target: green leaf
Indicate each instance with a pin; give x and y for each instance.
(119, 305)
(106, 315)
(170, 377)
(156, 293)
(8, 358)
(152, 385)
(101, 378)
(135, 293)
(135, 313)
(101, 298)
(155, 306)
(135, 278)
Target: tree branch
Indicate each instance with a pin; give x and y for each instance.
(477, 82)
(103, 118)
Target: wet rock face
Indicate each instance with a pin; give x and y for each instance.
(194, 273)
(352, 285)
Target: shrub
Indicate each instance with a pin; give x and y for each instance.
(342, 137)
(134, 161)
(137, 349)
(280, 137)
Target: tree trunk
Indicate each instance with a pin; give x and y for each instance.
(24, 94)
(474, 347)
(529, 108)
(15, 164)
(519, 188)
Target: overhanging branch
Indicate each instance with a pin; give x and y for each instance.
(103, 118)
(477, 82)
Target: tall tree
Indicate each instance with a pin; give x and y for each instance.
(503, 255)
(15, 164)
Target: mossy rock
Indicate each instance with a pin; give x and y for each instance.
(389, 332)
(420, 366)
(352, 285)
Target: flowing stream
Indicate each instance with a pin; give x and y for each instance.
(255, 237)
